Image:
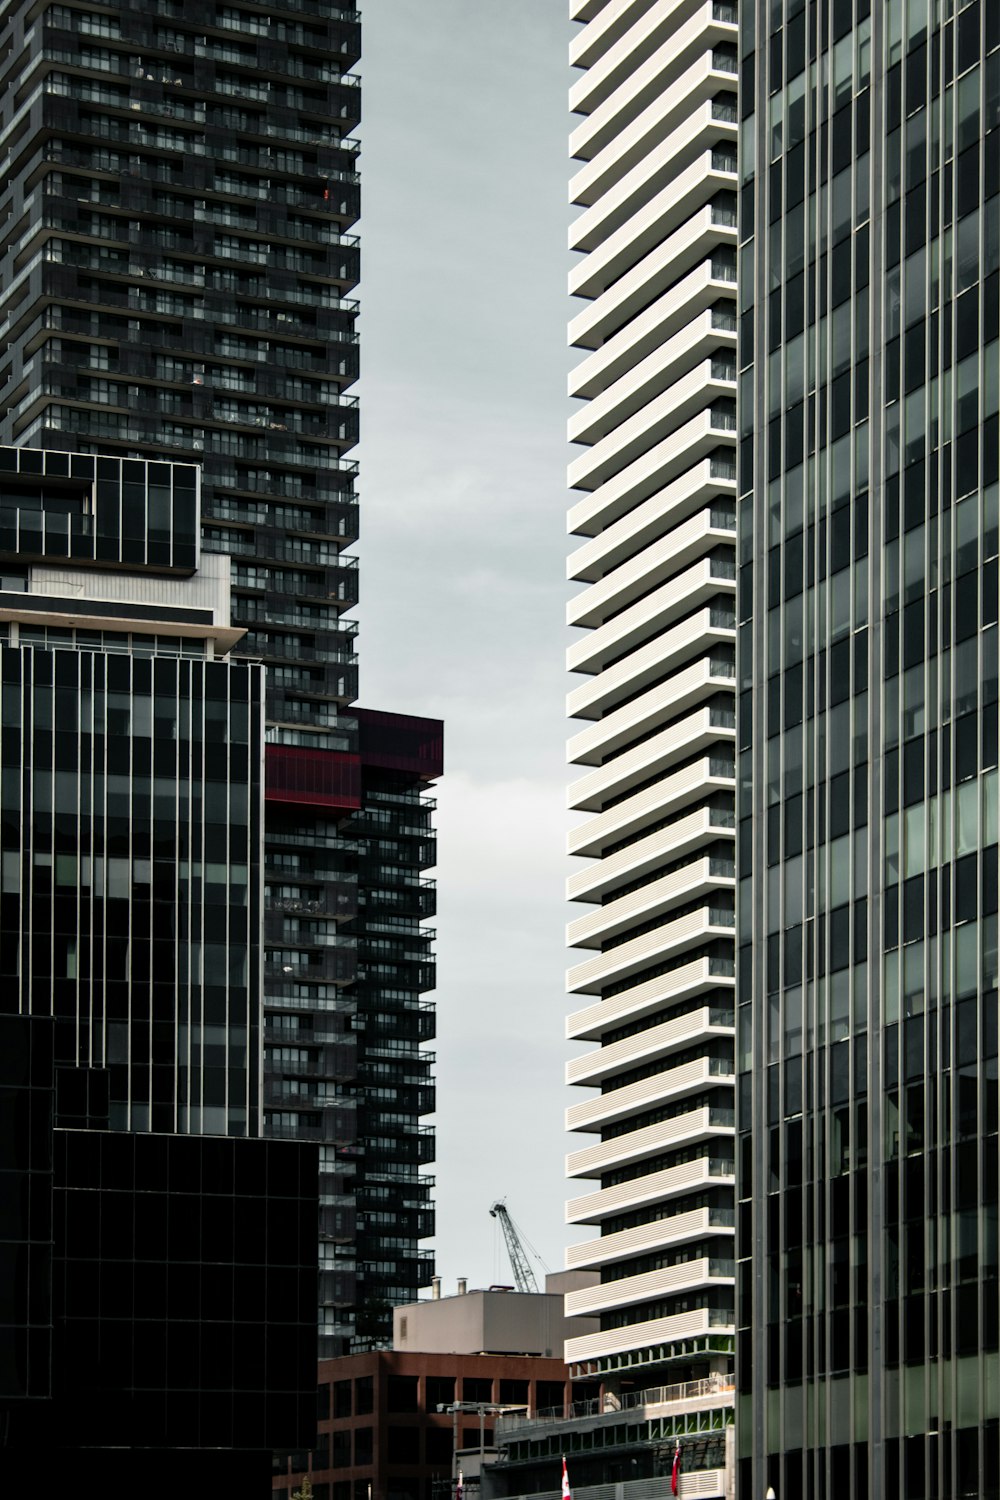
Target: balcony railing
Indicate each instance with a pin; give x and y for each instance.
(724, 59)
(611, 1404)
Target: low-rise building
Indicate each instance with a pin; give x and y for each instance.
(396, 1424)
(627, 1438)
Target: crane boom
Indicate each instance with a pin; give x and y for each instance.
(524, 1277)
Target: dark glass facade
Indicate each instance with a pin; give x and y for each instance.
(869, 1337)
(346, 840)
(182, 184)
(158, 1291)
(130, 897)
(158, 1266)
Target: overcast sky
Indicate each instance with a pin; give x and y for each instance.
(462, 550)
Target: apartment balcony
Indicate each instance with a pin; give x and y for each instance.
(657, 1401)
(675, 835)
(706, 334)
(706, 531)
(632, 1148)
(694, 585)
(324, 966)
(338, 903)
(689, 1276)
(335, 1125)
(689, 203)
(640, 116)
(671, 1182)
(667, 701)
(301, 1093)
(584, 10)
(703, 632)
(278, 1034)
(663, 418)
(707, 877)
(658, 1334)
(677, 124)
(705, 729)
(329, 1064)
(329, 584)
(290, 549)
(704, 974)
(700, 241)
(706, 1023)
(670, 459)
(672, 166)
(330, 622)
(671, 1086)
(651, 57)
(685, 1228)
(685, 832)
(293, 651)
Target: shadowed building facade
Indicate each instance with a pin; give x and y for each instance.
(179, 186)
(158, 1257)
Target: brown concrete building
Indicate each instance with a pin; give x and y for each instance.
(381, 1435)
(388, 1424)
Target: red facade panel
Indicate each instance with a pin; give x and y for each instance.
(401, 742)
(312, 778)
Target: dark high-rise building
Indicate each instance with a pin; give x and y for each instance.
(157, 1257)
(346, 838)
(869, 1327)
(178, 188)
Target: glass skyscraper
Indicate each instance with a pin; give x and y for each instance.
(179, 184)
(157, 1257)
(867, 1148)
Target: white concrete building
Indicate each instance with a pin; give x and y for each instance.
(654, 514)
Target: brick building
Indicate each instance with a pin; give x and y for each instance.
(383, 1434)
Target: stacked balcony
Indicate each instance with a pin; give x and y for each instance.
(654, 509)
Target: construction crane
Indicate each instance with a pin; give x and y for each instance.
(524, 1276)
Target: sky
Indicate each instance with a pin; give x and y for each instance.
(462, 553)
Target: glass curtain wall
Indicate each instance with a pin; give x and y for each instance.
(867, 1039)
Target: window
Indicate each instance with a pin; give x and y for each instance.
(441, 1391)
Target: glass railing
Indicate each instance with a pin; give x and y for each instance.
(723, 519)
(723, 270)
(724, 369)
(723, 468)
(723, 968)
